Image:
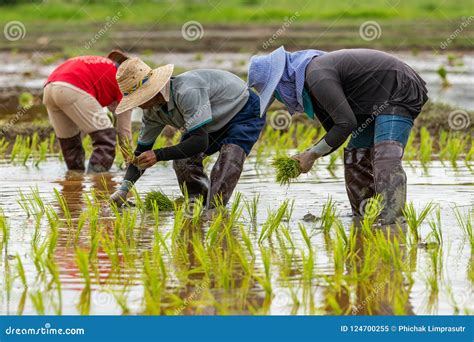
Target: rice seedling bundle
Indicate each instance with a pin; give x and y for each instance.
(286, 169)
(162, 201)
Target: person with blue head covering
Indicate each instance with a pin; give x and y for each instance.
(368, 94)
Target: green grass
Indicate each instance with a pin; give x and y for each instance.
(232, 11)
(160, 199)
(286, 169)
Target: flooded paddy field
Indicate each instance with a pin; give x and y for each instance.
(274, 250)
(26, 72)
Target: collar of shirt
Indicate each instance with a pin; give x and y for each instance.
(167, 93)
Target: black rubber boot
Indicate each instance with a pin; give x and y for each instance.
(390, 180)
(359, 176)
(226, 173)
(103, 154)
(191, 176)
(73, 152)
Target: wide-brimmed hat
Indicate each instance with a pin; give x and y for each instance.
(264, 74)
(139, 83)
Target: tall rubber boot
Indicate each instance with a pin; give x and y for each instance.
(191, 176)
(390, 180)
(103, 154)
(73, 152)
(226, 173)
(358, 173)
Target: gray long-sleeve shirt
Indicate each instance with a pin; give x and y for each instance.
(344, 84)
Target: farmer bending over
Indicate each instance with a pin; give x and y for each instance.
(217, 112)
(367, 93)
(75, 95)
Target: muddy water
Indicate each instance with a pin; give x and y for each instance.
(27, 72)
(441, 184)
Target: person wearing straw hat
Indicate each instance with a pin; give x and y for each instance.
(217, 112)
(75, 95)
(367, 93)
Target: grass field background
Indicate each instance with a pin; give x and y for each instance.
(232, 11)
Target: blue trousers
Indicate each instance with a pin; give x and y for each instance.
(372, 130)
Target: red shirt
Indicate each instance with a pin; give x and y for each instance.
(93, 74)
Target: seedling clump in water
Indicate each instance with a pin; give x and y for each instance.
(161, 200)
(286, 169)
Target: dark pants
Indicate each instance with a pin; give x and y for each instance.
(243, 130)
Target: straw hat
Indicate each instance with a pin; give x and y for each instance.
(139, 83)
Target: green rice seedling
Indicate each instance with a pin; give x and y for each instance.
(305, 236)
(307, 261)
(436, 233)
(64, 207)
(442, 145)
(5, 230)
(3, 147)
(332, 163)
(266, 281)
(26, 100)
(16, 148)
(252, 209)
(21, 271)
(82, 262)
(273, 222)
(466, 224)
(289, 211)
(162, 201)
(410, 150)
(455, 146)
(372, 210)
(152, 286)
(328, 215)
(214, 230)
(38, 302)
(443, 74)
(42, 152)
(414, 220)
(286, 233)
(426, 146)
(247, 242)
(51, 143)
(286, 169)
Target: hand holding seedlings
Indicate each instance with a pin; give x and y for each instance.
(119, 197)
(286, 169)
(305, 160)
(146, 160)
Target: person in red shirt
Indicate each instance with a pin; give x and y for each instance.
(75, 95)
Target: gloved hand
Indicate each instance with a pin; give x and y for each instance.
(306, 160)
(119, 197)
